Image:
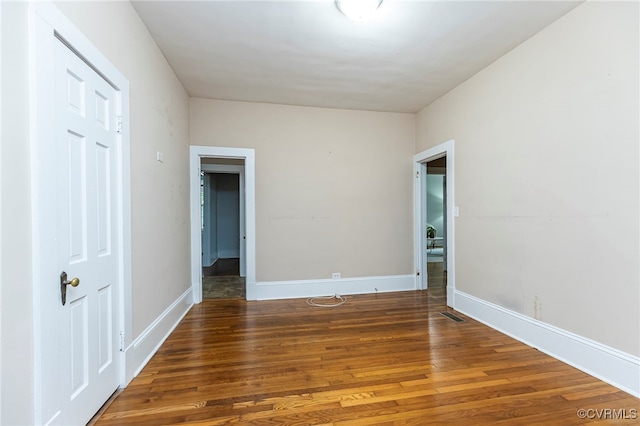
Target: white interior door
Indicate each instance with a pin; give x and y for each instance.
(82, 334)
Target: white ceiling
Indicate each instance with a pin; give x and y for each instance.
(302, 52)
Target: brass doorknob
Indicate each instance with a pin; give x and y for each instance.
(64, 282)
(74, 282)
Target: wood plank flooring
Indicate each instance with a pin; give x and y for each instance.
(381, 359)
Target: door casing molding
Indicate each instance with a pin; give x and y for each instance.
(420, 216)
(46, 23)
(248, 155)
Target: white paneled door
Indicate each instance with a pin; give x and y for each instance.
(84, 363)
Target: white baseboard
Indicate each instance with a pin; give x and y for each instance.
(229, 254)
(140, 351)
(210, 262)
(610, 365)
(311, 288)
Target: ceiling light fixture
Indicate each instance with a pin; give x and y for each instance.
(358, 10)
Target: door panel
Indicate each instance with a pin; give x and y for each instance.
(76, 189)
(103, 192)
(75, 93)
(79, 349)
(105, 328)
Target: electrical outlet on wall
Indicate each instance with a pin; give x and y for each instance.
(335, 275)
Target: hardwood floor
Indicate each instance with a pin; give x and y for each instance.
(378, 359)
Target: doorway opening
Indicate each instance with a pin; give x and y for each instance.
(218, 168)
(434, 227)
(222, 226)
(436, 232)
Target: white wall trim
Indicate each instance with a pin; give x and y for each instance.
(140, 351)
(269, 290)
(248, 155)
(1, 258)
(610, 365)
(222, 168)
(420, 215)
(211, 262)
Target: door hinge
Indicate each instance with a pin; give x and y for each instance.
(122, 341)
(417, 175)
(119, 124)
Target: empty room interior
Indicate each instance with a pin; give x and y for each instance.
(459, 180)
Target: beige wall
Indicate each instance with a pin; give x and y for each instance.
(160, 210)
(16, 310)
(546, 164)
(333, 187)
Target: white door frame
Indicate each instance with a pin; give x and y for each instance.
(45, 21)
(234, 170)
(420, 216)
(248, 155)
(0, 207)
(205, 188)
